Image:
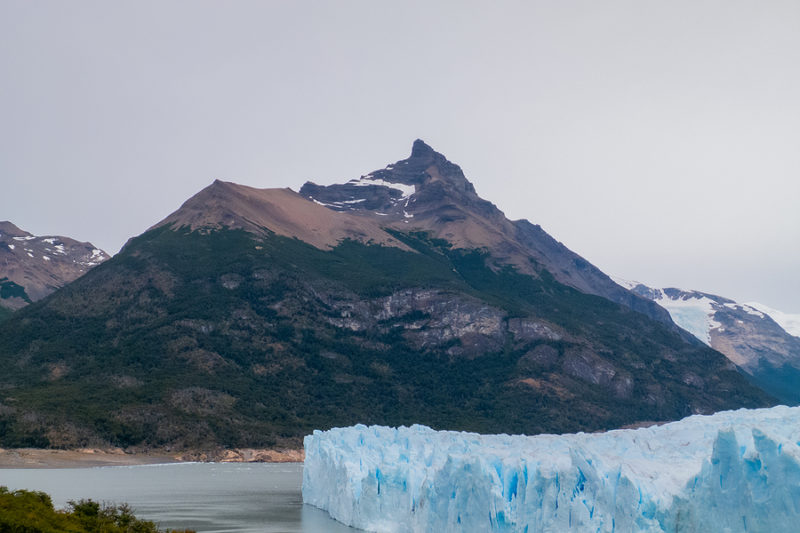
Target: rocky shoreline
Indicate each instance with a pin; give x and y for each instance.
(93, 457)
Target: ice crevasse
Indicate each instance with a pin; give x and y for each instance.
(728, 472)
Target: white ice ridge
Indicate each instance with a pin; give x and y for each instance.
(735, 471)
(789, 322)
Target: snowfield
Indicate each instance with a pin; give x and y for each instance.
(728, 472)
(789, 322)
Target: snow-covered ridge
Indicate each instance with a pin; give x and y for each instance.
(42, 246)
(733, 471)
(622, 282)
(691, 311)
(695, 311)
(788, 321)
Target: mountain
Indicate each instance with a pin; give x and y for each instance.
(747, 334)
(250, 317)
(32, 267)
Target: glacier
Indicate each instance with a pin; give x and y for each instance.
(728, 472)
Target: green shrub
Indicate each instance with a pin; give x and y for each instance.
(24, 511)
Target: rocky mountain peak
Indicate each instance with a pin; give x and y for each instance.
(428, 193)
(424, 193)
(426, 178)
(420, 149)
(429, 166)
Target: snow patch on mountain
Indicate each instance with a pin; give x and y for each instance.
(788, 321)
(694, 313)
(405, 190)
(356, 196)
(628, 284)
(746, 308)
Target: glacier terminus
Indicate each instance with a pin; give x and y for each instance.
(734, 471)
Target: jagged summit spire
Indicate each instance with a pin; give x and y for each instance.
(420, 149)
(423, 156)
(426, 175)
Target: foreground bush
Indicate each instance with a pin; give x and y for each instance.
(23, 511)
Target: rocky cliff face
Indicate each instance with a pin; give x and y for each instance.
(460, 325)
(32, 267)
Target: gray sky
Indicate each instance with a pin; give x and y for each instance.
(660, 140)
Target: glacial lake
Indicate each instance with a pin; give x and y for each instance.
(207, 497)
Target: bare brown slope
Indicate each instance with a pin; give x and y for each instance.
(280, 211)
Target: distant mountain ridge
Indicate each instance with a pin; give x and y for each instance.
(790, 322)
(746, 333)
(31, 267)
(250, 317)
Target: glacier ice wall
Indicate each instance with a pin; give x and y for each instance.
(732, 471)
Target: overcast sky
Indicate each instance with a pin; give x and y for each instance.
(658, 139)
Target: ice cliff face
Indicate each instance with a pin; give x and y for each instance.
(733, 471)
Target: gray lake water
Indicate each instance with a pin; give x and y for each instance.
(207, 497)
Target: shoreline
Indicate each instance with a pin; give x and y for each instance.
(93, 457)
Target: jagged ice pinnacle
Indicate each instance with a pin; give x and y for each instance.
(732, 471)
